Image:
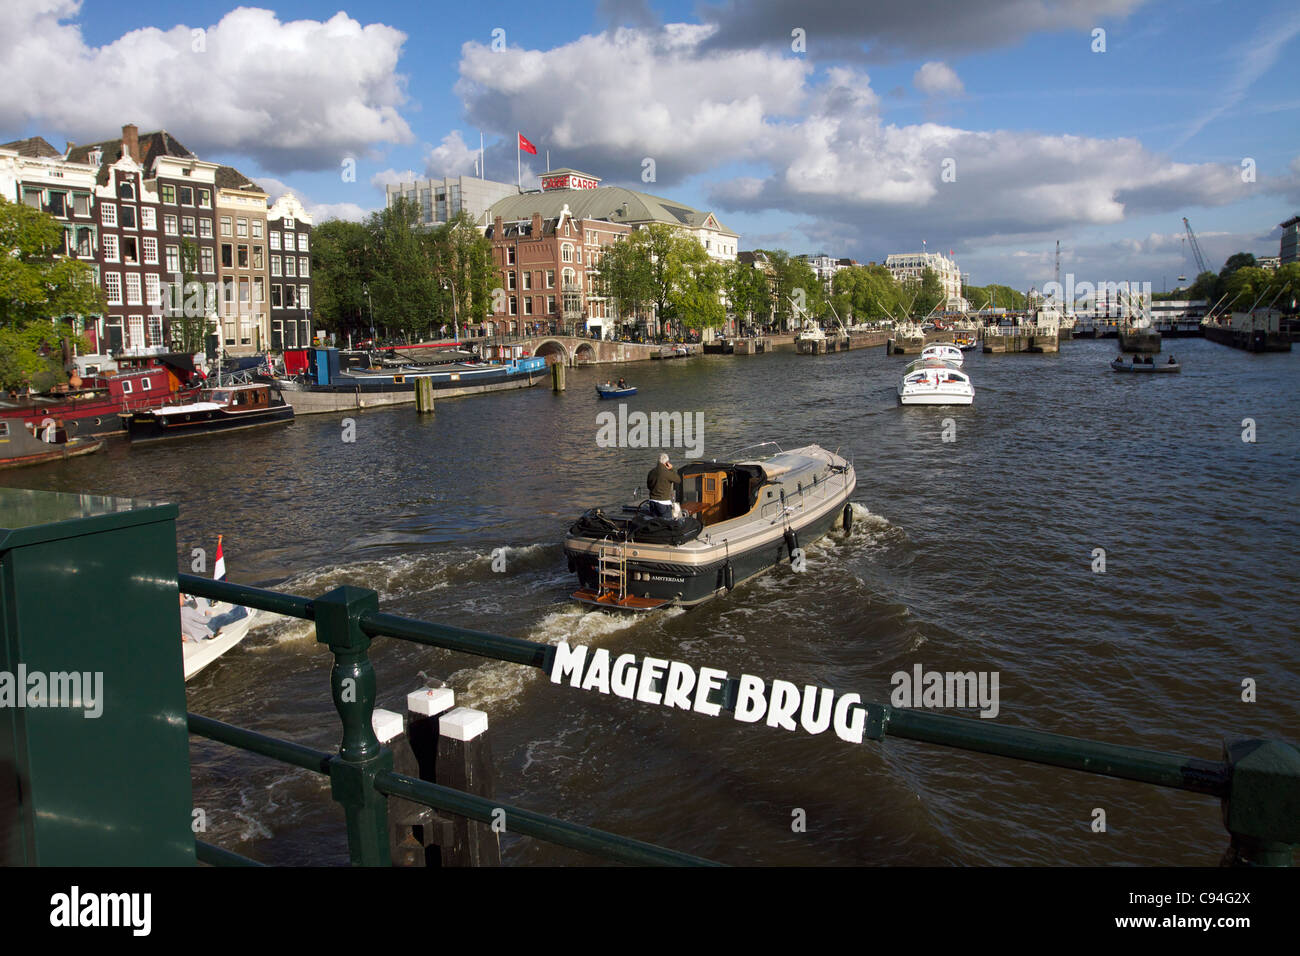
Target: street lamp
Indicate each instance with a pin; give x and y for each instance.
(455, 321)
(365, 286)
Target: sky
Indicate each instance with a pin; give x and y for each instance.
(991, 128)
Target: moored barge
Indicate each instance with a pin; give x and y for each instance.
(229, 408)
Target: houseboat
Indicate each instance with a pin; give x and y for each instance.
(93, 405)
(229, 408)
(21, 445)
(328, 380)
(738, 518)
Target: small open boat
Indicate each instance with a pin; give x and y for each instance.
(19, 446)
(1120, 365)
(209, 629)
(613, 391)
(739, 517)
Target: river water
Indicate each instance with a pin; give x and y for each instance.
(976, 553)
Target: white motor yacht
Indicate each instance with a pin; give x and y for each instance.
(943, 352)
(932, 382)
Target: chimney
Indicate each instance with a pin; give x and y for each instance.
(537, 225)
(497, 225)
(131, 141)
(68, 151)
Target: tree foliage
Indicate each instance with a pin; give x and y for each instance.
(42, 295)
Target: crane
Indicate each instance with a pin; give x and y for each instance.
(1196, 249)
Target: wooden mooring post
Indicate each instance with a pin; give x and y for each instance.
(447, 745)
(557, 377)
(424, 395)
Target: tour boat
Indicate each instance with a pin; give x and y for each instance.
(1120, 365)
(932, 382)
(20, 445)
(738, 518)
(199, 654)
(229, 408)
(943, 352)
(613, 391)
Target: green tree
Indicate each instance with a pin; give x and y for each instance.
(44, 295)
(626, 276)
(1246, 286)
(340, 267)
(1238, 260)
(748, 292)
(404, 290)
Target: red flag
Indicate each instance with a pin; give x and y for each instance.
(526, 146)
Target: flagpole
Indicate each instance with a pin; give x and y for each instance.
(519, 181)
(482, 160)
(548, 160)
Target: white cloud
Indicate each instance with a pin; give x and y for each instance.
(319, 211)
(937, 78)
(450, 158)
(301, 94)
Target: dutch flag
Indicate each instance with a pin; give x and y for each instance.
(219, 570)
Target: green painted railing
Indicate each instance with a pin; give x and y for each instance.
(1258, 781)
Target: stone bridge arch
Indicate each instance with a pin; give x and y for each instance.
(585, 354)
(553, 351)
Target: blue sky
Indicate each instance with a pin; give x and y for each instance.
(839, 147)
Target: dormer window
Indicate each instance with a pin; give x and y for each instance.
(126, 191)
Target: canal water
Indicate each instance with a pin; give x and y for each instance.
(972, 554)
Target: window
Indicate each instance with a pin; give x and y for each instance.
(187, 226)
(291, 297)
(152, 289)
(126, 190)
(550, 305)
(290, 264)
(110, 248)
(244, 290)
(58, 206)
(32, 197)
(150, 250)
(227, 255)
(207, 260)
(578, 255)
(510, 255)
(169, 225)
(187, 196)
(257, 229)
(126, 383)
(85, 242)
(133, 288)
(304, 297)
(275, 265)
(288, 222)
(205, 199)
(510, 280)
(514, 308)
(225, 225)
(528, 305)
(169, 194)
(205, 228)
(130, 251)
(275, 296)
(243, 257)
(108, 214)
(241, 228)
(550, 278)
(113, 287)
(135, 333)
(259, 289)
(173, 254)
(275, 240)
(302, 242)
(81, 204)
(528, 280)
(148, 218)
(303, 266)
(257, 257)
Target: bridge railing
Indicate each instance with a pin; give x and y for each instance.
(1258, 781)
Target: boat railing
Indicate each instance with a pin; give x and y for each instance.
(732, 456)
(1258, 781)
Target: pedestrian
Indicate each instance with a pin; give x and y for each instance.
(660, 481)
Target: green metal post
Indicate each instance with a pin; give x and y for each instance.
(1262, 808)
(352, 683)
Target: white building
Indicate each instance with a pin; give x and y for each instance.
(441, 199)
(912, 265)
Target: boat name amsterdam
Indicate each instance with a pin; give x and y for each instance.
(673, 684)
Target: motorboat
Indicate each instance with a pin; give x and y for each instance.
(943, 352)
(1120, 365)
(22, 445)
(738, 517)
(934, 382)
(199, 654)
(614, 391)
(228, 408)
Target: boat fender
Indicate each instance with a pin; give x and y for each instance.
(728, 576)
(791, 542)
(848, 518)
